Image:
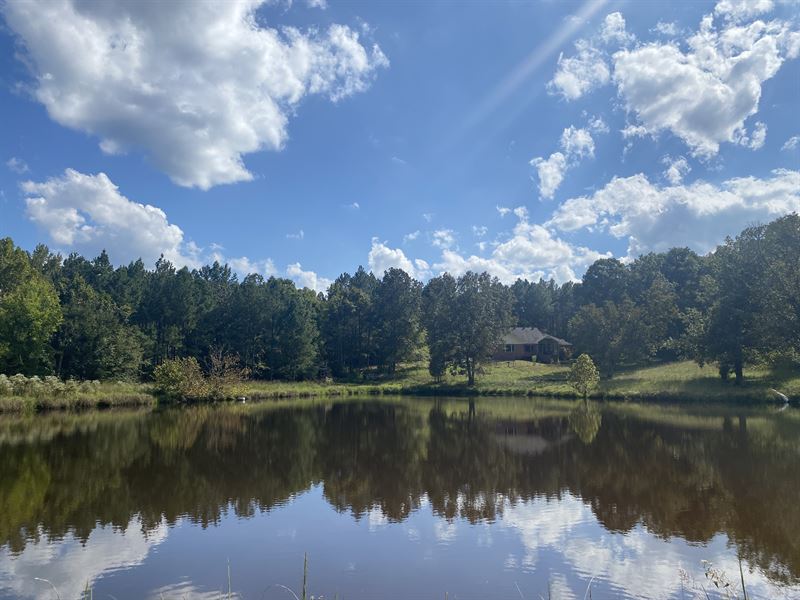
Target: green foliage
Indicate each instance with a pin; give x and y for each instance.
(583, 375)
(180, 379)
(755, 311)
(85, 319)
(465, 319)
(225, 376)
(42, 387)
(29, 314)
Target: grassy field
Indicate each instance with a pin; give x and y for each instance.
(672, 381)
(681, 381)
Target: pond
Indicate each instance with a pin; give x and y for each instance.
(401, 498)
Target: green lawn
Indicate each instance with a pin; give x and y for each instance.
(672, 381)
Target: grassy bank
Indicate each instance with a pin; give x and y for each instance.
(103, 395)
(681, 381)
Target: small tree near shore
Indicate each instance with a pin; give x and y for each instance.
(584, 376)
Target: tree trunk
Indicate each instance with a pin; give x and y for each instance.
(737, 368)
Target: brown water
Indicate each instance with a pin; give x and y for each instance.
(408, 498)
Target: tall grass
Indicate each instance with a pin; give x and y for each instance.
(26, 394)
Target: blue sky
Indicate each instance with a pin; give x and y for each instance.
(305, 139)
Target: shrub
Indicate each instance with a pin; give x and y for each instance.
(180, 378)
(225, 375)
(6, 387)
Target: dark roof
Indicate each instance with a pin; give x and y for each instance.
(530, 335)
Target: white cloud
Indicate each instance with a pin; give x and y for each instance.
(244, 266)
(698, 216)
(551, 173)
(588, 68)
(353, 206)
(738, 10)
(444, 238)
(321, 4)
(677, 169)
(480, 230)
(613, 30)
(196, 85)
(705, 94)
(296, 236)
(531, 251)
(792, 143)
(576, 144)
(17, 165)
(307, 279)
(88, 213)
(666, 28)
(633, 131)
(579, 74)
(410, 237)
(428, 217)
(382, 258)
(503, 210)
(754, 140)
(597, 125)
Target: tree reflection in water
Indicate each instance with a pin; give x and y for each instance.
(681, 473)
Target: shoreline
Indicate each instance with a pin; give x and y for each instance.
(679, 382)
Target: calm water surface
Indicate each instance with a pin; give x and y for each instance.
(408, 498)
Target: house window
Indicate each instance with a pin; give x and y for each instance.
(509, 347)
(529, 348)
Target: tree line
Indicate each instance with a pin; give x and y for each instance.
(83, 318)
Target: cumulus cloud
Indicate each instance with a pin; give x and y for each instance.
(88, 213)
(503, 210)
(195, 85)
(17, 165)
(444, 238)
(699, 216)
(530, 251)
(597, 125)
(480, 230)
(551, 173)
(754, 140)
(307, 279)
(576, 144)
(613, 30)
(579, 74)
(738, 10)
(669, 28)
(705, 94)
(588, 68)
(677, 169)
(382, 258)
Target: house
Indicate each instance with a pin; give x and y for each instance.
(524, 343)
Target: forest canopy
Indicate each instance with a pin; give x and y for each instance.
(82, 318)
